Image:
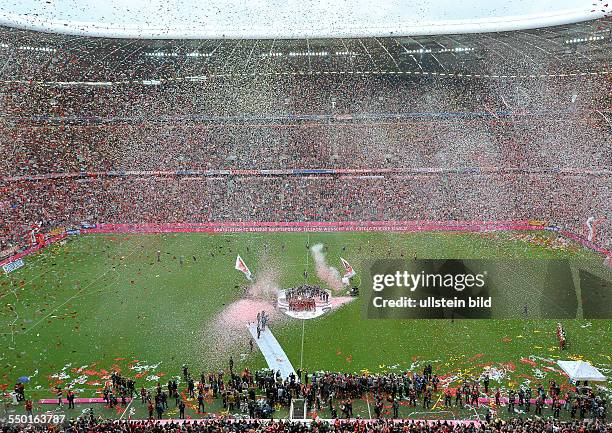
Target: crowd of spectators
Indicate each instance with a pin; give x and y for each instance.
(518, 425)
(569, 142)
(287, 95)
(562, 199)
(470, 150)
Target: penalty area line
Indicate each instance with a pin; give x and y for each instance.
(476, 412)
(437, 401)
(368, 403)
(80, 292)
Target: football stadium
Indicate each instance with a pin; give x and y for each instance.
(274, 217)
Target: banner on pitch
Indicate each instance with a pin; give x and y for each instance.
(10, 267)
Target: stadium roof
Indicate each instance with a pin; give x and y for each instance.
(291, 19)
(569, 50)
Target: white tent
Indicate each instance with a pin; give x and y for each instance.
(580, 370)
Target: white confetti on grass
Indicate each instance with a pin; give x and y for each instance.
(144, 367)
(496, 373)
(78, 381)
(61, 376)
(82, 368)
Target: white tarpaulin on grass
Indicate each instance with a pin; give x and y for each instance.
(272, 351)
(580, 370)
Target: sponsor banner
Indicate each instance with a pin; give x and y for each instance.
(476, 171)
(400, 226)
(32, 249)
(10, 267)
(116, 173)
(244, 172)
(340, 226)
(274, 172)
(538, 222)
(394, 228)
(56, 232)
(429, 170)
(358, 226)
(314, 171)
(73, 232)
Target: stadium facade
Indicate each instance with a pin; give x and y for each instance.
(580, 48)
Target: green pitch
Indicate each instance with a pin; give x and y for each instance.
(101, 302)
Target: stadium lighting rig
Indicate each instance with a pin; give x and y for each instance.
(308, 53)
(38, 49)
(442, 50)
(589, 39)
(197, 54)
(191, 55)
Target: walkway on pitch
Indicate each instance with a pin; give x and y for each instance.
(272, 351)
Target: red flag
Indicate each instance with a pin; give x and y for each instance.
(348, 268)
(242, 267)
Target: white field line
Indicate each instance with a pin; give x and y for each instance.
(75, 295)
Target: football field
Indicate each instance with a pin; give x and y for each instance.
(147, 304)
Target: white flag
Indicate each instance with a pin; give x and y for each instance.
(242, 267)
(348, 268)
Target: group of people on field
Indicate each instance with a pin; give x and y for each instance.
(256, 395)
